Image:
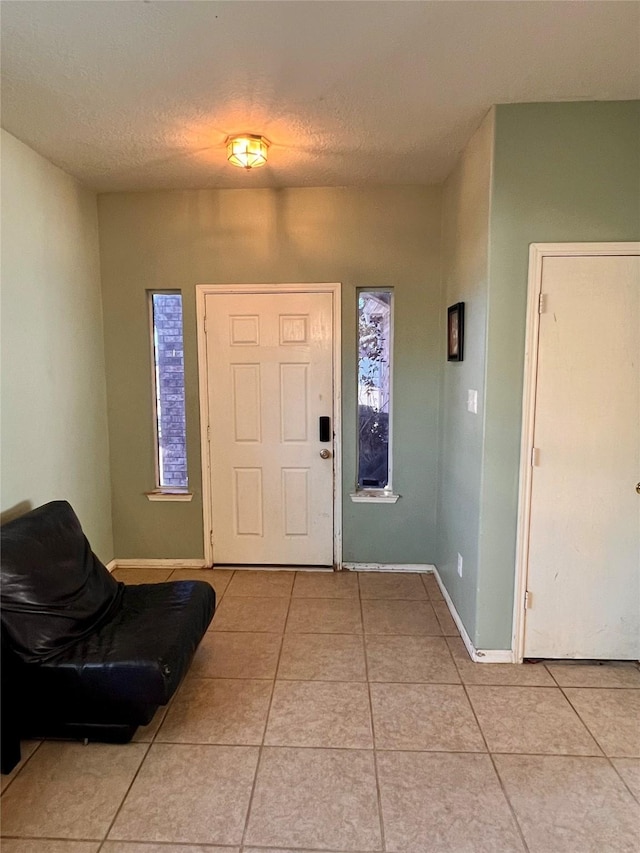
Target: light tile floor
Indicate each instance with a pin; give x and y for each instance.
(341, 712)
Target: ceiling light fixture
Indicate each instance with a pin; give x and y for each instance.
(247, 151)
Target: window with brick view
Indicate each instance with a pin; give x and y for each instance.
(168, 363)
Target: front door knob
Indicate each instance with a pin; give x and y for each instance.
(325, 454)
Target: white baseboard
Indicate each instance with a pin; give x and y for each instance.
(139, 563)
(276, 568)
(388, 567)
(476, 655)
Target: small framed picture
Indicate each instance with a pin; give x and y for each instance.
(455, 332)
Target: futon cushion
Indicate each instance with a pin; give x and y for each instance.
(141, 654)
(54, 589)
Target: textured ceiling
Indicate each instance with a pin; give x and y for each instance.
(141, 95)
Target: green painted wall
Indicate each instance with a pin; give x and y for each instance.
(54, 426)
(465, 241)
(387, 236)
(562, 172)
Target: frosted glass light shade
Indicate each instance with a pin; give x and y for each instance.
(247, 151)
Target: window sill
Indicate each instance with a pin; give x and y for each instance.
(373, 496)
(168, 495)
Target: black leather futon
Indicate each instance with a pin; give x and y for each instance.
(82, 654)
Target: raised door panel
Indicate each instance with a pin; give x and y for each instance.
(295, 501)
(294, 404)
(248, 501)
(247, 413)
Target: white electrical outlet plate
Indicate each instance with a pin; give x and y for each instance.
(472, 401)
(460, 564)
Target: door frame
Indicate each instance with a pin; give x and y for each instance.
(537, 253)
(204, 290)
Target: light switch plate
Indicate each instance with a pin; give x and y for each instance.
(472, 401)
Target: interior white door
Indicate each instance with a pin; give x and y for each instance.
(270, 379)
(584, 547)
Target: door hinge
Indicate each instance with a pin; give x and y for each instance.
(527, 600)
(211, 537)
(205, 322)
(208, 433)
(541, 303)
(535, 457)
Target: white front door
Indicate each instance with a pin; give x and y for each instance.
(270, 380)
(584, 542)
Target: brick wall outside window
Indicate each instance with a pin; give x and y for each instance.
(170, 400)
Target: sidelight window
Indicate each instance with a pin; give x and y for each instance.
(169, 395)
(375, 339)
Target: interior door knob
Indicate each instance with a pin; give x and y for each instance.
(638, 488)
(325, 454)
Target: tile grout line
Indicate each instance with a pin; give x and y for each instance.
(20, 769)
(144, 757)
(622, 779)
(126, 794)
(433, 600)
(448, 648)
(600, 747)
(528, 754)
(578, 715)
(65, 839)
(224, 592)
(241, 844)
(455, 663)
(373, 731)
(302, 849)
(351, 634)
(269, 847)
(495, 770)
(406, 749)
